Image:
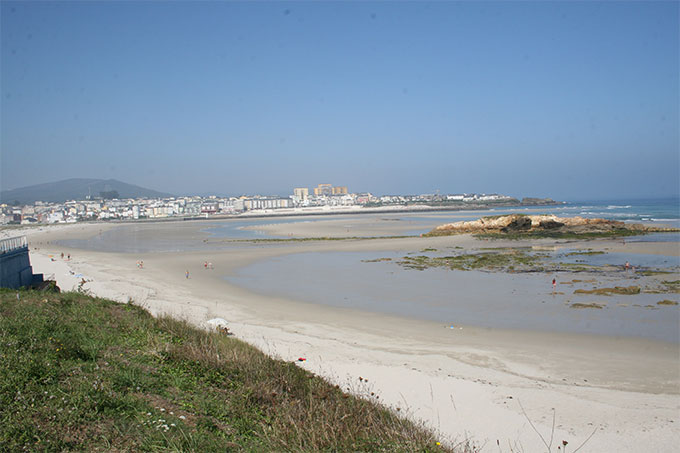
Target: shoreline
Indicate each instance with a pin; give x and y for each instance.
(456, 384)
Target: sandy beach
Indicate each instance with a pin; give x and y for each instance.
(487, 385)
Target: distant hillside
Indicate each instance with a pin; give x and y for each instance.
(77, 189)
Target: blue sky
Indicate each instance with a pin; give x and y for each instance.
(568, 100)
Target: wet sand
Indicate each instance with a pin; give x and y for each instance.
(469, 382)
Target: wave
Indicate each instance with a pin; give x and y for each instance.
(612, 206)
(622, 214)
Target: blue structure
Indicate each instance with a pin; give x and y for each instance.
(15, 265)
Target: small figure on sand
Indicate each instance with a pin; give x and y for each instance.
(554, 285)
(210, 266)
(68, 257)
(626, 266)
(186, 274)
(205, 265)
(62, 255)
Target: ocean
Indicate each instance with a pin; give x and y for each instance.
(656, 211)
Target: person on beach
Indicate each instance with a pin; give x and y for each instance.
(626, 266)
(62, 255)
(205, 265)
(554, 285)
(186, 274)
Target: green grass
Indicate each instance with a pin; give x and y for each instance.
(86, 374)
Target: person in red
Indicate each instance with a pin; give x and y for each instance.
(554, 283)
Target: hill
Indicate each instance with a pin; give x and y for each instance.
(86, 374)
(77, 189)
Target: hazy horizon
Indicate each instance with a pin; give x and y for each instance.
(573, 101)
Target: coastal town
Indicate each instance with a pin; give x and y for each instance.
(324, 198)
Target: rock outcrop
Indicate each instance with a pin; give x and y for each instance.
(531, 223)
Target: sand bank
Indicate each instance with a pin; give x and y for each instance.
(467, 382)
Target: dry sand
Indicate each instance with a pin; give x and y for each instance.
(485, 385)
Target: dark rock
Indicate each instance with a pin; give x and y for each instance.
(518, 224)
(550, 225)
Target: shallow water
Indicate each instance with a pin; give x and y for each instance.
(516, 301)
(639, 260)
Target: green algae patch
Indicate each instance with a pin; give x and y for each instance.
(671, 286)
(667, 302)
(508, 261)
(586, 253)
(377, 260)
(594, 305)
(624, 290)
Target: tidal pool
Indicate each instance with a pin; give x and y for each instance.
(478, 298)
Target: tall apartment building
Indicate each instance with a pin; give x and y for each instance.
(340, 190)
(323, 189)
(301, 193)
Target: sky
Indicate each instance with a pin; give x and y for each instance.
(574, 101)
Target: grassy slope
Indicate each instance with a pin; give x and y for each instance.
(79, 373)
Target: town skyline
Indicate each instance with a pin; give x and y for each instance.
(110, 205)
